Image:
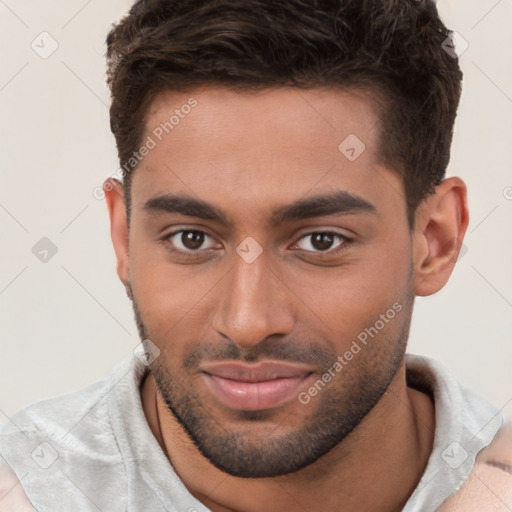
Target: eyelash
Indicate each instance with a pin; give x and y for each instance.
(344, 245)
(180, 253)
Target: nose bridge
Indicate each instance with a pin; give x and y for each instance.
(253, 305)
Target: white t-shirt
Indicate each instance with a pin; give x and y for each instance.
(93, 450)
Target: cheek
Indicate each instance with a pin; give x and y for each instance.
(174, 301)
(344, 301)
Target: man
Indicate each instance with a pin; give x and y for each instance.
(283, 203)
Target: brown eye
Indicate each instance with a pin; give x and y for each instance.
(322, 242)
(192, 239)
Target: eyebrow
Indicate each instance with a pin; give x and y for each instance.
(340, 202)
(184, 205)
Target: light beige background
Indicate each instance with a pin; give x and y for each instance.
(65, 323)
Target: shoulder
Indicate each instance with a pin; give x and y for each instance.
(489, 486)
(70, 438)
(59, 416)
(59, 430)
(53, 416)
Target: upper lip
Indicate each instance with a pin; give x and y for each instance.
(255, 372)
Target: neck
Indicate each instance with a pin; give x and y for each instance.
(394, 440)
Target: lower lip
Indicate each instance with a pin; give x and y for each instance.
(254, 396)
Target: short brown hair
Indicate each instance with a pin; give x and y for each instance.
(391, 47)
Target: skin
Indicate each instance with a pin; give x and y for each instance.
(489, 487)
(248, 154)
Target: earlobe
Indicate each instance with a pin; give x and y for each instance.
(114, 196)
(441, 222)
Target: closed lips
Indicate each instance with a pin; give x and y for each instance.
(254, 387)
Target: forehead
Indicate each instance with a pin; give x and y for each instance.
(260, 148)
(326, 114)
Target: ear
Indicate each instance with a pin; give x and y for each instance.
(440, 224)
(114, 196)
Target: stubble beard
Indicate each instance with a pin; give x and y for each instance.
(262, 448)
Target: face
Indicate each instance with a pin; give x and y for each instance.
(270, 262)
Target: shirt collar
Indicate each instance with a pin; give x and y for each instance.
(465, 424)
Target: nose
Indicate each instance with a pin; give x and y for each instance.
(253, 304)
